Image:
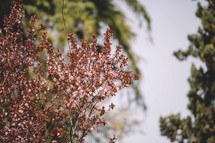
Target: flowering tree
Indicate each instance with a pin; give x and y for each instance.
(63, 102)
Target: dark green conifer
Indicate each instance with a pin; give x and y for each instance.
(199, 127)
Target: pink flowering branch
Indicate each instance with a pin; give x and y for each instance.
(59, 103)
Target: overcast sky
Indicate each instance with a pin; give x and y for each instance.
(164, 83)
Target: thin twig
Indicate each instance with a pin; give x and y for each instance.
(67, 31)
(5, 78)
(212, 3)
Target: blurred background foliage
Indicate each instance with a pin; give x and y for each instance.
(199, 127)
(119, 124)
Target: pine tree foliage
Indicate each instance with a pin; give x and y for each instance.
(199, 127)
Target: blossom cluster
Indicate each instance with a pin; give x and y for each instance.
(61, 100)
